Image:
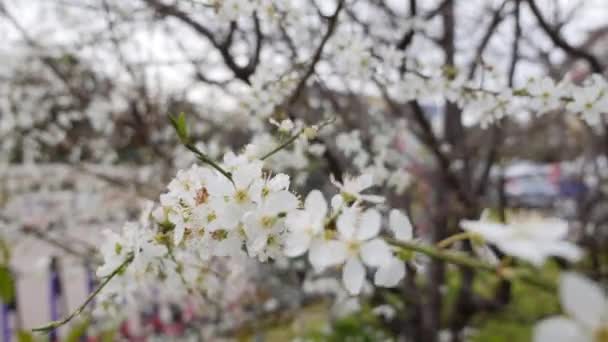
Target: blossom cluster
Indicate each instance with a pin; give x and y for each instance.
(486, 104)
(205, 215)
(248, 213)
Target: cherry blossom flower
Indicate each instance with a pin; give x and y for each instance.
(358, 232)
(285, 126)
(591, 102)
(133, 241)
(305, 226)
(586, 307)
(351, 188)
(264, 226)
(389, 274)
(113, 253)
(546, 95)
(533, 240)
(233, 9)
(241, 194)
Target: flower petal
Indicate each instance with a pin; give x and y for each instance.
(559, 329)
(296, 244)
(390, 274)
(323, 254)
(281, 202)
(245, 174)
(297, 221)
(336, 202)
(257, 243)
(346, 223)
(316, 205)
(582, 299)
(353, 276)
(279, 182)
(178, 233)
(219, 186)
(376, 199)
(364, 181)
(524, 249)
(369, 226)
(400, 224)
(490, 231)
(547, 228)
(564, 249)
(376, 253)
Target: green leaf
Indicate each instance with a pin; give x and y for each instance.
(77, 331)
(5, 253)
(179, 124)
(7, 285)
(24, 336)
(108, 336)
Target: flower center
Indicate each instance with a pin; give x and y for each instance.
(348, 198)
(267, 221)
(219, 234)
(353, 247)
(329, 234)
(202, 195)
(265, 191)
(271, 241)
(241, 196)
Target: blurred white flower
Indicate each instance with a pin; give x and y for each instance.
(545, 94)
(533, 240)
(400, 225)
(285, 126)
(586, 307)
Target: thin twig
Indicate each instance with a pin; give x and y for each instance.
(57, 324)
(466, 261)
(331, 27)
(558, 40)
(207, 160)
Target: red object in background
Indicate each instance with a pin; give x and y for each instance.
(189, 312)
(555, 173)
(174, 329)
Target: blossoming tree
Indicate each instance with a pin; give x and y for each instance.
(361, 147)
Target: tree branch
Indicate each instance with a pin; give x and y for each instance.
(316, 57)
(561, 42)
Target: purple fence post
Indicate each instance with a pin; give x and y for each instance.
(91, 282)
(7, 334)
(55, 295)
(91, 279)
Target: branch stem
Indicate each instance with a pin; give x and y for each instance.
(205, 159)
(57, 324)
(467, 261)
(447, 242)
(283, 145)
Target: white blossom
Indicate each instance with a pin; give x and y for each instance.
(351, 188)
(586, 309)
(307, 225)
(358, 233)
(533, 240)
